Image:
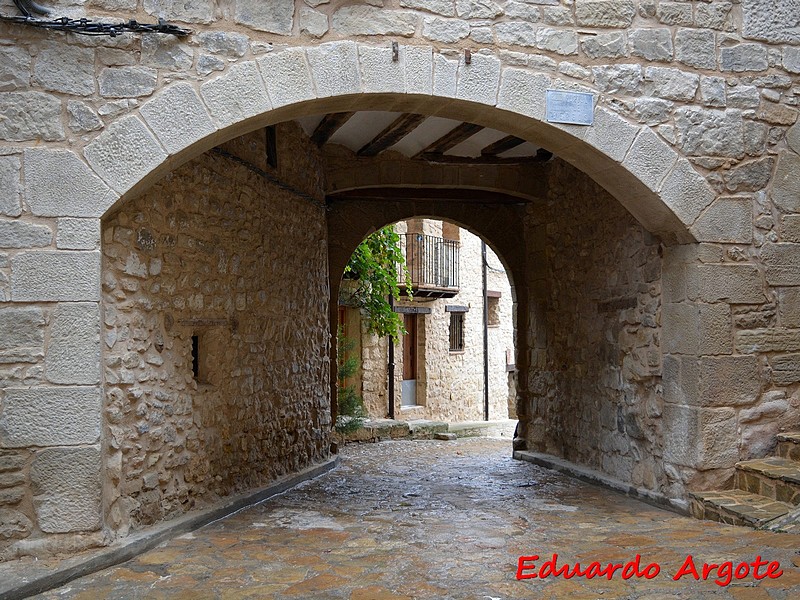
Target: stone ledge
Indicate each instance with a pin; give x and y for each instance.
(16, 583)
(737, 507)
(601, 479)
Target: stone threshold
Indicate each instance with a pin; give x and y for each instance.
(20, 584)
(601, 479)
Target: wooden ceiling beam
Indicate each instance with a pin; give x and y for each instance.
(486, 159)
(451, 139)
(396, 131)
(412, 194)
(329, 125)
(502, 145)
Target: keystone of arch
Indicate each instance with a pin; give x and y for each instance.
(659, 187)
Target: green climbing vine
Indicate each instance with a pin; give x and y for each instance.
(375, 268)
(374, 271)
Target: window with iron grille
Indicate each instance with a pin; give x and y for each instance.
(456, 331)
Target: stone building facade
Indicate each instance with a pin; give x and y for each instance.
(655, 259)
(449, 381)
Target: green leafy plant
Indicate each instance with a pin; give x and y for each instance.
(375, 266)
(351, 406)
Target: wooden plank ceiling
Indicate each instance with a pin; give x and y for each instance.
(432, 139)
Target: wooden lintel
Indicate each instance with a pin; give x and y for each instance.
(329, 125)
(451, 139)
(396, 131)
(412, 194)
(412, 310)
(456, 308)
(432, 157)
(502, 145)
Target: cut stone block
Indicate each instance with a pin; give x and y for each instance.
(334, 67)
(177, 117)
(73, 354)
(50, 417)
(286, 76)
(66, 488)
(59, 184)
(59, 276)
(124, 153)
(237, 95)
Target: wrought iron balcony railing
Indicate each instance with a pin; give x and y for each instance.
(432, 264)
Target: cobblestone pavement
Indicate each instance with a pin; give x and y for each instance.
(442, 520)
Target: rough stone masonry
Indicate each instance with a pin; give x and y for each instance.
(674, 354)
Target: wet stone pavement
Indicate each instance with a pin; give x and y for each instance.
(439, 520)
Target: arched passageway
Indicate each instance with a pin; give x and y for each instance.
(549, 221)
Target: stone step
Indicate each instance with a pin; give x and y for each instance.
(789, 445)
(737, 507)
(775, 477)
(422, 429)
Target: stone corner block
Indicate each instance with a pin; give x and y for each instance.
(178, 117)
(59, 184)
(236, 95)
(734, 283)
(686, 192)
(680, 328)
(727, 220)
(66, 484)
(58, 416)
(286, 76)
(124, 153)
(650, 159)
(78, 234)
(334, 68)
(479, 81)
(55, 276)
(73, 354)
(701, 438)
(729, 380)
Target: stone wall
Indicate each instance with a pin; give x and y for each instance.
(449, 384)
(598, 386)
(221, 252)
(694, 135)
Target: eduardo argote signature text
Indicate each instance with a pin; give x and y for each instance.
(529, 567)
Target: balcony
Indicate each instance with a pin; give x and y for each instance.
(432, 264)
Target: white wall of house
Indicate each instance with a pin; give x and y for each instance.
(450, 384)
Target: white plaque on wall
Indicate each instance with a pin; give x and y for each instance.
(574, 108)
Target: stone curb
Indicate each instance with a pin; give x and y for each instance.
(136, 544)
(596, 478)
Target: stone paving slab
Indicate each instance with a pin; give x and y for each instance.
(24, 577)
(443, 520)
(774, 467)
(741, 507)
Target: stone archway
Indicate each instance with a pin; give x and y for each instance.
(658, 186)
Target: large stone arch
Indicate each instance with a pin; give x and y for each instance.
(650, 178)
(81, 182)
